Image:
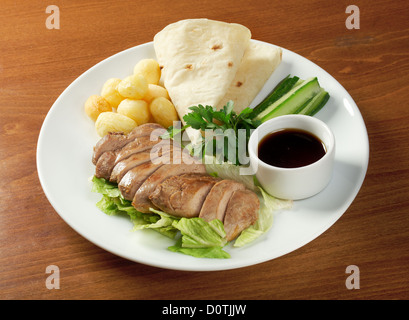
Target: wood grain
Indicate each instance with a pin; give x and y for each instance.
(372, 63)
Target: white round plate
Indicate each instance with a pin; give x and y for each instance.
(66, 142)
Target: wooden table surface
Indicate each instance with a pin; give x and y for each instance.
(372, 63)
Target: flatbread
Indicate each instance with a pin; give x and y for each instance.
(199, 60)
(258, 63)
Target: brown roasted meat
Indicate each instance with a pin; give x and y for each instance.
(241, 212)
(183, 195)
(214, 207)
(160, 174)
(141, 200)
(117, 140)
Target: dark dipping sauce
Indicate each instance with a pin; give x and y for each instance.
(290, 148)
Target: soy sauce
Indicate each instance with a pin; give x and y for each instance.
(290, 148)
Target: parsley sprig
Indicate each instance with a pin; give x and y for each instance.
(224, 129)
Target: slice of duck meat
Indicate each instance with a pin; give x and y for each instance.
(147, 129)
(214, 207)
(109, 159)
(134, 178)
(141, 200)
(241, 212)
(143, 144)
(117, 140)
(137, 145)
(122, 167)
(183, 195)
(105, 164)
(110, 142)
(159, 152)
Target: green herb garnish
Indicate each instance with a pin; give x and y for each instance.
(226, 133)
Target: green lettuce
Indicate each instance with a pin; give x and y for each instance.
(198, 238)
(209, 252)
(159, 221)
(105, 187)
(197, 233)
(112, 203)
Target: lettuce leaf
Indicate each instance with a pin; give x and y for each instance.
(160, 222)
(112, 203)
(200, 238)
(197, 233)
(105, 187)
(209, 252)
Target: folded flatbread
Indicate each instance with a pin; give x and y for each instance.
(210, 62)
(258, 63)
(199, 60)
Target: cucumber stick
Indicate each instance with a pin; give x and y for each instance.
(316, 103)
(294, 101)
(281, 89)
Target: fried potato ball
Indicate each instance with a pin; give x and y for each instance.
(137, 110)
(155, 91)
(96, 104)
(163, 111)
(113, 122)
(133, 87)
(150, 69)
(110, 93)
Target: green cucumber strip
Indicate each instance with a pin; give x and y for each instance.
(281, 89)
(316, 103)
(303, 106)
(292, 101)
(298, 83)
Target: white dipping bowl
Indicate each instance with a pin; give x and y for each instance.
(293, 183)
